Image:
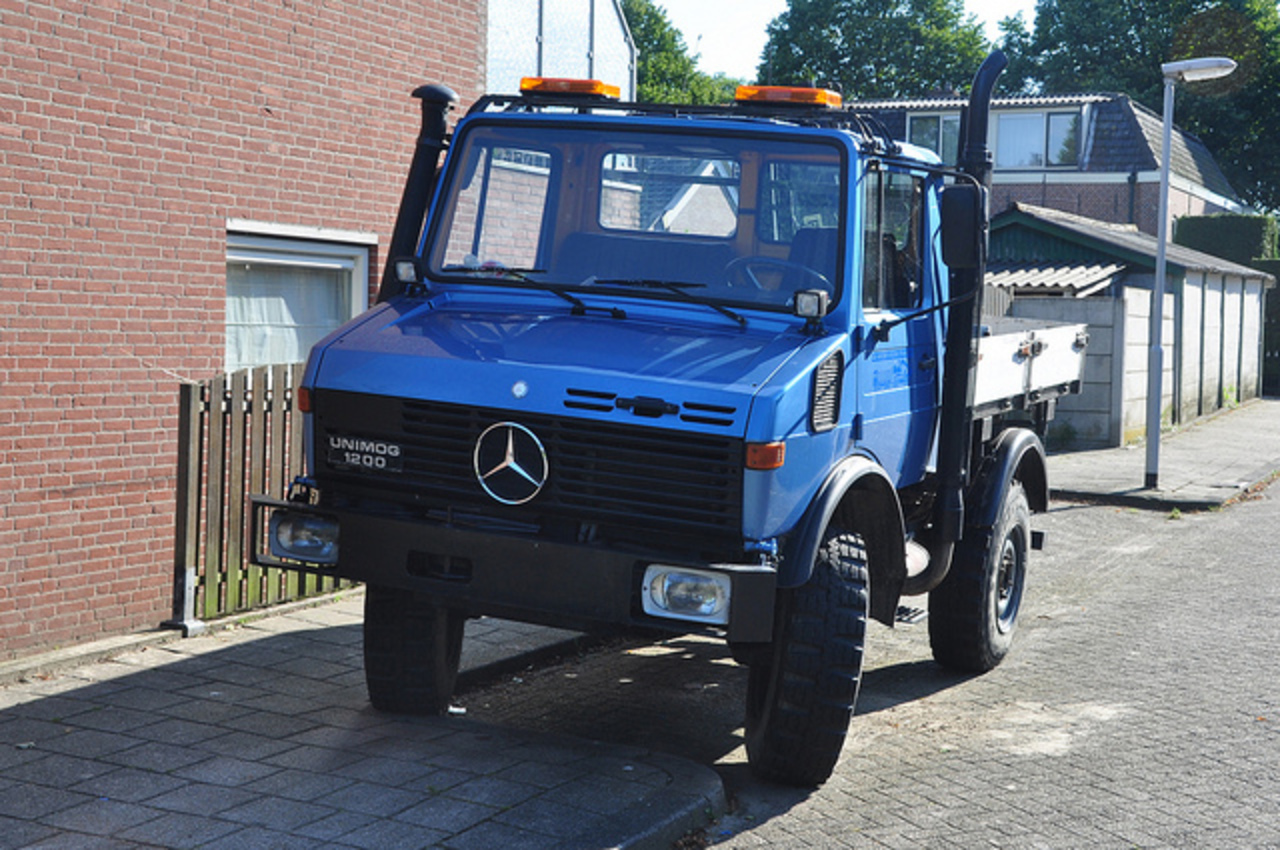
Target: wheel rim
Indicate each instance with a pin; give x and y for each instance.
(1013, 566)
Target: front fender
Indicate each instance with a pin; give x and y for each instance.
(859, 495)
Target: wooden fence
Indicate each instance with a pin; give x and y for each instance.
(237, 434)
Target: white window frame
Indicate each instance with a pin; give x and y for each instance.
(1044, 116)
(943, 118)
(262, 244)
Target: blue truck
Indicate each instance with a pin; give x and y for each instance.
(713, 369)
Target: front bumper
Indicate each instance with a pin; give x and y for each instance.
(579, 586)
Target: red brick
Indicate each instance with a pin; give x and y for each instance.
(129, 133)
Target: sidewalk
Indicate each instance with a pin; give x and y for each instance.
(262, 736)
(1200, 467)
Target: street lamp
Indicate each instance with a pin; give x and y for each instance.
(1186, 71)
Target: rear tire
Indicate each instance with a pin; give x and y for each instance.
(802, 689)
(974, 612)
(411, 651)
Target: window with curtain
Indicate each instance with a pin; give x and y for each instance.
(285, 295)
(1037, 139)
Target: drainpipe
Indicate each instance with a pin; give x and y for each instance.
(1133, 196)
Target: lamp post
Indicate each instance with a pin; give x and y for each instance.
(1186, 71)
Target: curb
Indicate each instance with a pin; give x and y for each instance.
(700, 800)
(479, 676)
(58, 660)
(1152, 502)
(1167, 501)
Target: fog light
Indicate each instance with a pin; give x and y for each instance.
(303, 537)
(686, 594)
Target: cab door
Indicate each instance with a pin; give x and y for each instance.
(898, 353)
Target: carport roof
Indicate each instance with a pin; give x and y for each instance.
(1077, 281)
(1122, 243)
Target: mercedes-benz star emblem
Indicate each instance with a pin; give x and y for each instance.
(510, 463)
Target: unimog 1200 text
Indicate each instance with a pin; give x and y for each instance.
(714, 369)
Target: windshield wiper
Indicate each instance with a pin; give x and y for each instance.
(677, 287)
(580, 307)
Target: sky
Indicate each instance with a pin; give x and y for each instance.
(730, 34)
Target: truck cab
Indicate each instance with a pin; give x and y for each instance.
(667, 368)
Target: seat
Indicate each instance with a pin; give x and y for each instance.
(814, 248)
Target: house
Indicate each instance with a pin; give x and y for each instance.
(1062, 266)
(1093, 155)
(560, 38)
(183, 188)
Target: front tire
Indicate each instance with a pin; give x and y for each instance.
(802, 689)
(411, 651)
(973, 614)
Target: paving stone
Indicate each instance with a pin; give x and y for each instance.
(19, 832)
(205, 711)
(492, 834)
(370, 799)
(256, 836)
(245, 745)
(299, 784)
(269, 813)
(129, 784)
(393, 833)
(316, 759)
(448, 814)
(175, 731)
(101, 817)
(396, 773)
(57, 770)
(549, 818)
(198, 799)
(179, 831)
(335, 826)
(157, 757)
(35, 801)
(225, 770)
(494, 792)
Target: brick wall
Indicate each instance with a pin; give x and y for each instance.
(1111, 201)
(129, 133)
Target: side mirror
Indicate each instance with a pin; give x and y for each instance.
(964, 225)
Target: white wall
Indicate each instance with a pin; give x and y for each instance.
(1087, 420)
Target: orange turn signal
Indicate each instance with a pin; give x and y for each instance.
(789, 94)
(566, 85)
(766, 455)
(303, 399)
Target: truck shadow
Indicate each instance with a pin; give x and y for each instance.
(280, 720)
(684, 696)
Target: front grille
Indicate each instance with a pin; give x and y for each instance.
(615, 475)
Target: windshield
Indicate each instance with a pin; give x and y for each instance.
(737, 220)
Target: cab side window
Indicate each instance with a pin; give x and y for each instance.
(892, 271)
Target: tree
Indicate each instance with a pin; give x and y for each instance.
(665, 72)
(1119, 45)
(874, 48)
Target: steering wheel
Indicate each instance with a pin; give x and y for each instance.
(742, 268)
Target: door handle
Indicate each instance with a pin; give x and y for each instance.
(928, 363)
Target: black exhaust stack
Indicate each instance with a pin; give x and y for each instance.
(966, 206)
(436, 100)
